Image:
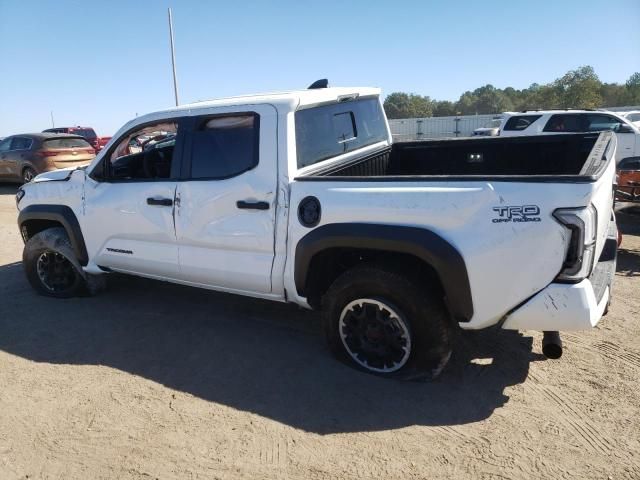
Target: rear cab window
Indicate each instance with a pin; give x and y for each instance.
(520, 122)
(327, 131)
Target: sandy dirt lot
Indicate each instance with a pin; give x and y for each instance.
(151, 380)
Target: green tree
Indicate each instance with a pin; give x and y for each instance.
(633, 89)
(444, 108)
(489, 99)
(613, 95)
(407, 105)
(579, 89)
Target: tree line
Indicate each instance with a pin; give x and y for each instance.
(579, 88)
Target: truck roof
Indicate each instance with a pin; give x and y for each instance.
(291, 100)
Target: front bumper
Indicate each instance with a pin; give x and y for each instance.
(566, 307)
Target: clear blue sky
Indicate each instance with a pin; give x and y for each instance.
(99, 63)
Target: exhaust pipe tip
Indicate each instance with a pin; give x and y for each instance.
(552, 345)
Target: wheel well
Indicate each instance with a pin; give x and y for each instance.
(30, 228)
(326, 266)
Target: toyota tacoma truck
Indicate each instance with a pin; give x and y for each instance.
(302, 197)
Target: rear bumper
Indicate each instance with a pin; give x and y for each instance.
(566, 307)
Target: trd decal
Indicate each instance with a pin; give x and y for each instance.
(517, 213)
(118, 250)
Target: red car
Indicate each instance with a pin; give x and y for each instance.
(102, 142)
(88, 133)
(629, 180)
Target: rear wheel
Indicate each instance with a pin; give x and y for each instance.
(28, 174)
(380, 322)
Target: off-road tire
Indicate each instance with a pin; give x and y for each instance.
(52, 243)
(420, 305)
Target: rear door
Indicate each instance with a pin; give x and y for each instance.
(226, 208)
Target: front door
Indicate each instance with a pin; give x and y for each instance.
(129, 202)
(226, 208)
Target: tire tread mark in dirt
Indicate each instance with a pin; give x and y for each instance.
(452, 432)
(608, 349)
(578, 422)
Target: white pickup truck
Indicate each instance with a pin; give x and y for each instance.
(302, 197)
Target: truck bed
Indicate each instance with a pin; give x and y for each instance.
(578, 158)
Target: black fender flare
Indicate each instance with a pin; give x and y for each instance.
(430, 247)
(63, 215)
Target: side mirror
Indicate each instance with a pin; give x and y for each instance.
(624, 128)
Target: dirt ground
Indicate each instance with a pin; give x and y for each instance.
(151, 380)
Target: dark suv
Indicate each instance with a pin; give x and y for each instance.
(24, 156)
(86, 132)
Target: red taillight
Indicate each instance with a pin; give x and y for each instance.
(46, 153)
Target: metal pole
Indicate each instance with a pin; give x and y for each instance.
(53, 125)
(173, 57)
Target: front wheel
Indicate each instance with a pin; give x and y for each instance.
(381, 322)
(50, 265)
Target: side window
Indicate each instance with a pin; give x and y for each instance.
(21, 143)
(565, 123)
(520, 122)
(5, 145)
(144, 154)
(330, 130)
(597, 123)
(224, 146)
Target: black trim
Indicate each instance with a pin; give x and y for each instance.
(309, 211)
(63, 215)
(422, 243)
(595, 165)
(248, 205)
(162, 202)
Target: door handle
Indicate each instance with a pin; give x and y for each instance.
(244, 204)
(163, 202)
